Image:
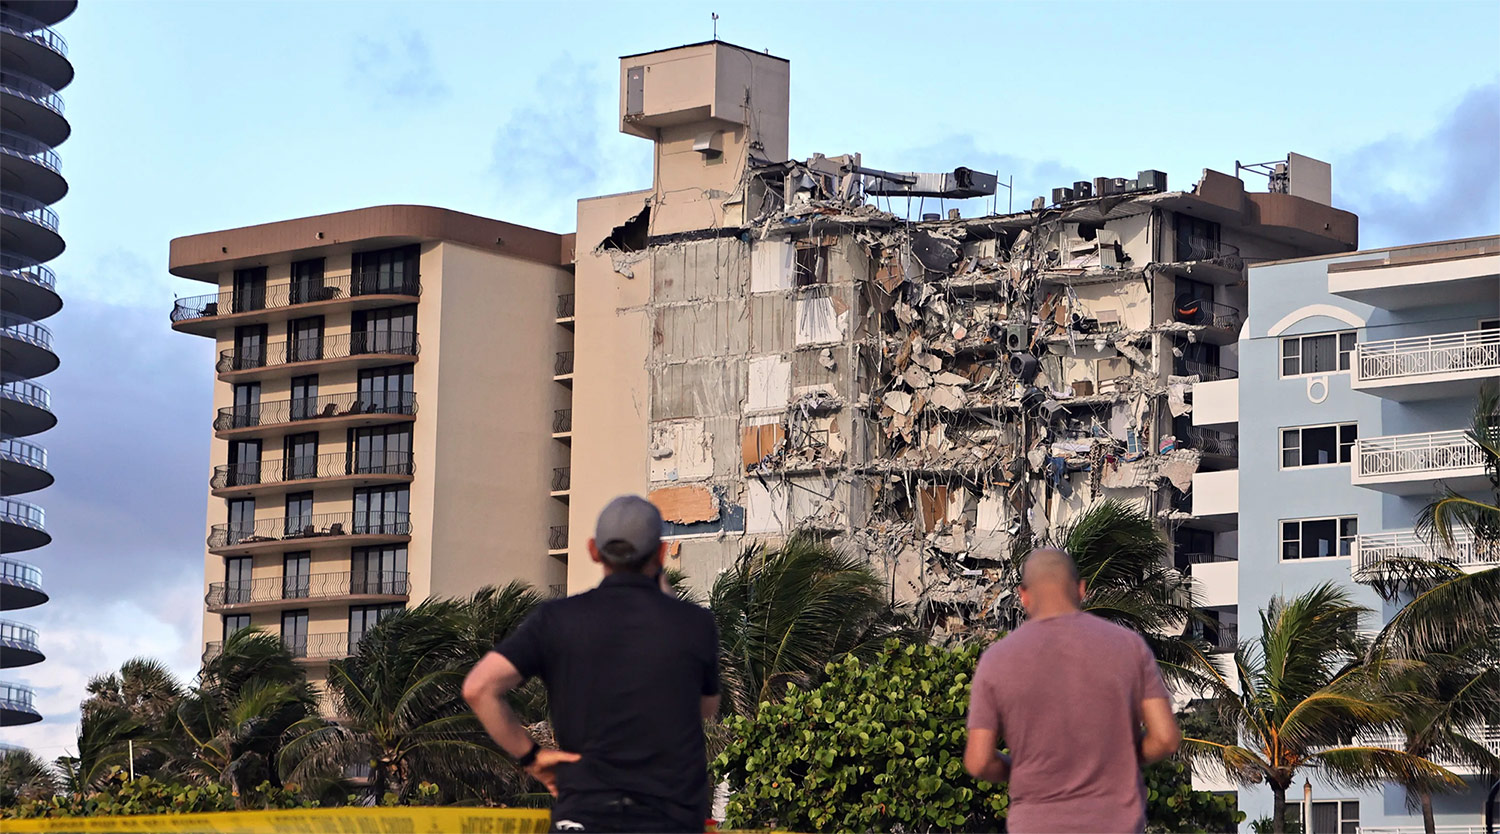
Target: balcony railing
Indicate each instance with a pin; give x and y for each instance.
(565, 305)
(25, 208)
(1415, 454)
(1376, 548)
(340, 346)
(14, 696)
(309, 467)
(1198, 311)
(557, 538)
(323, 646)
(18, 637)
(277, 296)
(22, 514)
(313, 586)
(1204, 371)
(20, 574)
(24, 86)
(562, 478)
(1223, 639)
(557, 591)
(27, 392)
(277, 412)
(1486, 734)
(28, 27)
(1478, 350)
(1211, 442)
(25, 269)
(26, 330)
(562, 420)
(563, 365)
(24, 453)
(17, 144)
(304, 527)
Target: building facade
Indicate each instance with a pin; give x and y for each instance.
(34, 66)
(345, 482)
(1358, 376)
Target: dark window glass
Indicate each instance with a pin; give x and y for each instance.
(378, 570)
(299, 512)
(1319, 446)
(385, 450)
(812, 264)
(391, 330)
(1319, 538)
(381, 510)
(387, 271)
(304, 339)
(386, 389)
(1291, 357)
(1348, 434)
(235, 623)
(241, 519)
(304, 397)
(249, 289)
(237, 580)
(1197, 239)
(362, 618)
(307, 282)
(294, 632)
(244, 462)
(295, 570)
(301, 457)
(1348, 532)
(249, 347)
(1291, 540)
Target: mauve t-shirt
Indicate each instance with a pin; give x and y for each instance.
(1065, 695)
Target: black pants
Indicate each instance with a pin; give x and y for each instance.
(623, 813)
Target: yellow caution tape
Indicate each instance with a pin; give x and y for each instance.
(307, 821)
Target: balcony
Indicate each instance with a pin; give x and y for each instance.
(562, 366)
(1411, 464)
(1216, 499)
(562, 480)
(1216, 403)
(26, 347)
(205, 314)
(23, 467)
(1406, 545)
(278, 591)
(1412, 278)
(25, 409)
(30, 227)
(17, 705)
(18, 645)
(35, 45)
(562, 422)
(311, 647)
(1427, 367)
(34, 103)
(1220, 322)
(1207, 260)
(1216, 579)
(332, 410)
(33, 164)
(278, 475)
(308, 531)
(298, 356)
(1210, 442)
(23, 526)
(557, 539)
(565, 308)
(27, 288)
(1486, 734)
(20, 586)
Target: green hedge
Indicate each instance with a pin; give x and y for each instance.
(122, 796)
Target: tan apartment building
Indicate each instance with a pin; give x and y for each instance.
(344, 481)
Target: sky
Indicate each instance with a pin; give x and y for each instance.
(192, 117)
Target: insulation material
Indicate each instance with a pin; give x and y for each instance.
(702, 329)
(681, 450)
(994, 511)
(686, 504)
(772, 263)
(699, 389)
(758, 443)
(770, 384)
(766, 506)
(818, 322)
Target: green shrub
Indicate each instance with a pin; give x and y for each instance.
(122, 796)
(1173, 805)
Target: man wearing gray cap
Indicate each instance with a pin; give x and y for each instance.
(631, 674)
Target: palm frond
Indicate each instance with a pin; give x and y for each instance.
(1368, 766)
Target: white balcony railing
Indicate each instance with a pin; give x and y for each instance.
(1375, 548)
(1487, 735)
(1395, 359)
(1416, 454)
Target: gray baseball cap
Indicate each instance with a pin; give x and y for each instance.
(632, 520)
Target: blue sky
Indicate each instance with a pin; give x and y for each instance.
(190, 117)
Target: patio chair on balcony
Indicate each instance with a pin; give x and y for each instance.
(335, 529)
(211, 308)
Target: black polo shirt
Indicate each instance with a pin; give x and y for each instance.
(625, 667)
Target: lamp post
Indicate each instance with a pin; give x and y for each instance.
(1307, 806)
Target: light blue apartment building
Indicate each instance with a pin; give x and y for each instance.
(1357, 375)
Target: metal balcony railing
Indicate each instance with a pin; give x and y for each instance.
(277, 296)
(557, 591)
(1225, 638)
(311, 586)
(25, 208)
(1477, 350)
(340, 346)
(27, 392)
(23, 452)
(1203, 558)
(26, 330)
(14, 696)
(20, 575)
(1204, 313)
(28, 27)
(557, 538)
(18, 636)
(310, 467)
(1204, 370)
(21, 145)
(24, 86)
(1415, 454)
(562, 420)
(23, 514)
(304, 527)
(323, 646)
(563, 365)
(25, 269)
(1486, 734)
(565, 305)
(277, 412)
(562, 478)
(1210, 441)
(1376, 548)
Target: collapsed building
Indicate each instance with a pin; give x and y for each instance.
(762, 348)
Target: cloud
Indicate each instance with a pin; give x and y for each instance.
(398, 68)
(1440, 185)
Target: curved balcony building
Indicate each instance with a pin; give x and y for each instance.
(34, 67)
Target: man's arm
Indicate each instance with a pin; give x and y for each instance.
(982, 756)
(485, 688)
(1162, 736)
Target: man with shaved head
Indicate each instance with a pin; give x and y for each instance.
(1080, 704)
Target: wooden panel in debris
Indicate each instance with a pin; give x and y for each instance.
(758, 441)
(686, 504)
(932, 505)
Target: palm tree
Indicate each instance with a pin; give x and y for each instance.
(105, 734)
(785, 613)
(1301, 699)
(400, 708)
(145, 690)
(24, 777)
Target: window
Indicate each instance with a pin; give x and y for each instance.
(244, 462)
(381, 510)
(246, 405)
(299, 514)
(234, 623)
(304, 397)
(237, 580)
(1318, 538)
(300, 459)
(1334, 816)
(1197, 239)
(295, 572)
(1489, 324)
(812, 263)
(386, 390)
(1192, 545)
(304, 339)
(387, 271)
(385, 450)
(391, 330)
(378, 570)
(307, 282)
(1318, 445)
(249, 289)
(294, 632)
(249, 347)
(362, 618)
(1197, 359)
(1324, 353)
(241, 519)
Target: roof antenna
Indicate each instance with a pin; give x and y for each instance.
(716, 24)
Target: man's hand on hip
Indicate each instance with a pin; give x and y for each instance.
(544, 769)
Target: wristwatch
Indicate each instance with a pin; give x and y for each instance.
(528, 758)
